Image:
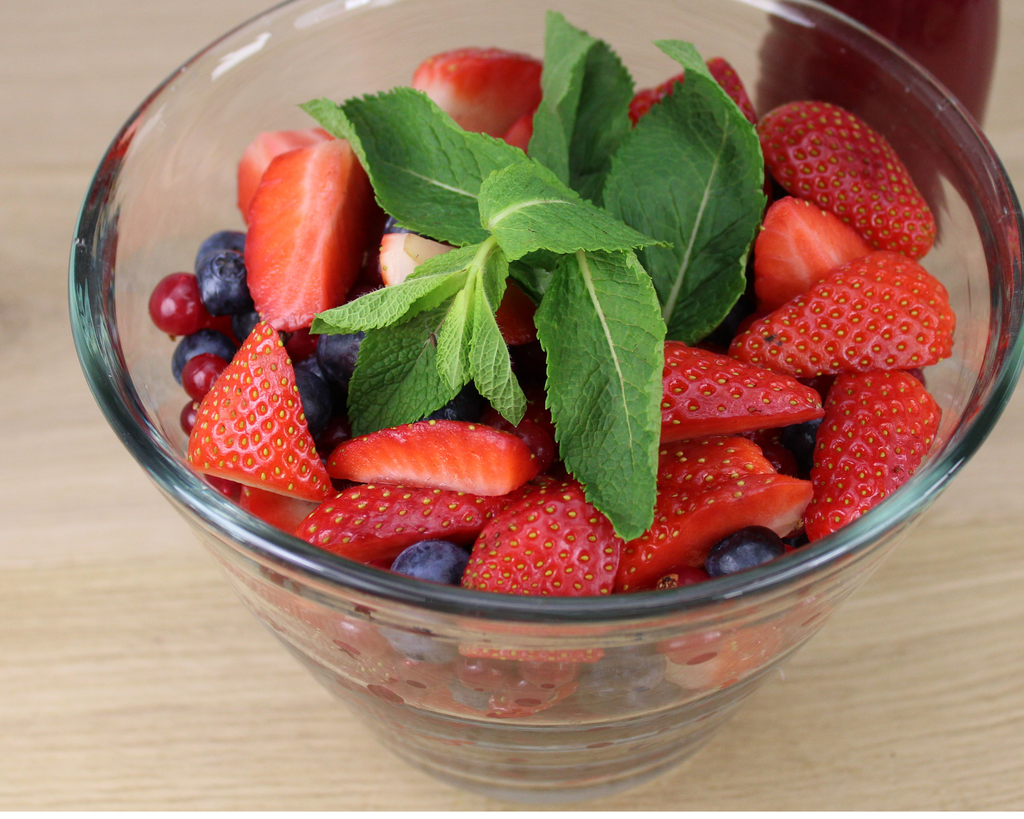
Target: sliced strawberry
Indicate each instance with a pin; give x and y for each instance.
(707, 394)
(250, 426)
(521, 132)
(710, 660)
(262, 150)
(278, 510)
(401, 252)
(515, 316)
(376, 521)
(550, 542)
(308, 230)
(725, 75)
(482, 89)
(882, 312)
(646, 98)
(798, 245)
(825, 154)
(532, 434)
(439, 454)
(706, 491)
(534, 655)
(878, 427)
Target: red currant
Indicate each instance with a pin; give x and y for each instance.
(175, 306)
(188, 416)
(199, 373)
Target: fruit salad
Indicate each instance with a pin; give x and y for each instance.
(523, 328)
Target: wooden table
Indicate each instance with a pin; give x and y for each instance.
(130, 677)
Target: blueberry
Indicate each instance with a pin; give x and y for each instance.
(242, 324)
(222, 284)
(624, 680)
(317, 403)
(436, 560)
(222, 240)
(799, 439)
(201, 341)
(336, 355)
(391, 226)
(742, 550)
(466, 406)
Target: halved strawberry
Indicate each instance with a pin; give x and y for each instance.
(532, 434)
(707, 394)
(482, 89)
(881, 312)
(551, 542)
(308, 229)
(823, 153)
(798, 245)
(515, 316)
(877, 429)
(274, 508)
(725, 75)
(453, 455)
(706, 491)
(377, 521)
(401, 252)
(262, 150)
(521, 132)
(250, 426)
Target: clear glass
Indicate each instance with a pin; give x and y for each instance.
(520, 697)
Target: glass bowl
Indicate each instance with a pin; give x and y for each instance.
(516, 697)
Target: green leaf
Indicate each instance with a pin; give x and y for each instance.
(396, 380)
(584, 113)
(431, 283)
(601, 328)
(527, 209)
(454, 339)
(532, 280)
(425, 170)
(691, 173)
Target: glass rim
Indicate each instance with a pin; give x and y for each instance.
(97, 343)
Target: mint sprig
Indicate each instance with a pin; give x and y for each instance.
(681, 196)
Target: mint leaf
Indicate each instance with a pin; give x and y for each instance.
(396, 380)
(584, 114)
(425, 170)
(527, 209)
(691, 173)
(532, 280)
(431, 283)
(454, 339)
(601, 328)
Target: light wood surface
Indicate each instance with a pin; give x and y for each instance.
(130, 677)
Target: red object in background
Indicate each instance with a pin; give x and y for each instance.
(954, 39)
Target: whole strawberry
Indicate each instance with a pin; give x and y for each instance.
(550, 542)
(882, 312)
(877, 429)
(823, 153)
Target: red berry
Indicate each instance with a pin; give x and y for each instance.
(175, 306)
(188, 416)
(529, 432)
(200, 373)
(825, 154)
(301, 345)
(515, 316)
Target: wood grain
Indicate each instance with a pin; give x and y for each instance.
(131, 678)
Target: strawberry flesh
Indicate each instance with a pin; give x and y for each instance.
(250, 427)
(882, 312)
(551, 542)
(378, 521)
(799, 244)
(482, 89)
(829, 156)
(308, 229)
(877, 429)
(454, 455)
(707, 394)
(262, 150)
(271, 507)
